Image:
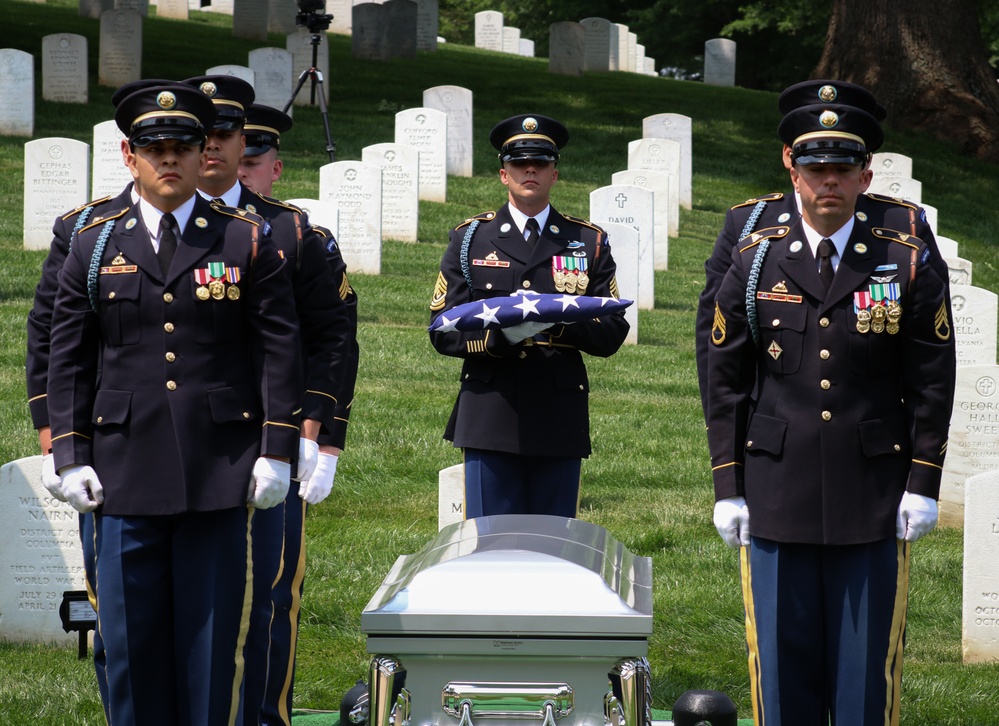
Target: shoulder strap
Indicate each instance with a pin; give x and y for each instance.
(754, 217)
(463, 256)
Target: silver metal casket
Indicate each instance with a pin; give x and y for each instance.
(512, 618)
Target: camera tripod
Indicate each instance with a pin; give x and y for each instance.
(317, 80)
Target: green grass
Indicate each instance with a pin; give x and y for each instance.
(648, 480)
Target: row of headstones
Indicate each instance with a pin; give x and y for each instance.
(492, 33)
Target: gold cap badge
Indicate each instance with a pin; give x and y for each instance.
(530, 124)
(829, 119)
(209, 89)
(828, 94)
(166, 100)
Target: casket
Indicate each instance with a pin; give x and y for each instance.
(512, 618)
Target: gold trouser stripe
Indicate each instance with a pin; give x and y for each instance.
(296, 605)
(244, 621)
(893, 661)
(759, 717)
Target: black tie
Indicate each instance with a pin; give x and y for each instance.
(826, 251)
(532, 232)
(219, 201)
(168, 241)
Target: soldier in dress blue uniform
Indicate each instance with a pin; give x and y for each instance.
(271, 644)
(522, 416)
(769, 210)
(830, 383)
(327, 337)
(191, 425)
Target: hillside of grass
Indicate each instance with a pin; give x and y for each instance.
(648, 481)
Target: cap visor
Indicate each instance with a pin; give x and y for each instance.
(150, 136)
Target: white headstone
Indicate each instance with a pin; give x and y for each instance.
(299, 44)
(947, 246)
(110, 174)
(566, 48)
(679, 128)
(272, 72)
(980, 602)
(639, 58)
(526, 48)
(94, 8)
(630, 54)
(931, 217)
(427, 24)
(662, 155)
(400, 165)
(281, 16)
(367, 32)
(230, 69)
(120, 48)
(624, 244)
(324, 214)
(450, 495)
(888, 165)
(425, 129)
(40, 556)
(511, 40)
(456, 102)
(489, 30)
(342, 16)
(219, 6)
(634, 207)
(902, 187)
(959, 269)
(64, 68)
(973, 442)
(657, 183)
(249, 19)
(649, 64)
(719, 62)
(56, 175)
(172, 9)
(356, 189)
(974, 317)
(17, 93)
(139, 6)
(621, 57)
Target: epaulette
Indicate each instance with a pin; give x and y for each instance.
(765, 198)
(584, 223)
(484, 217)
(238, 213)
(321, 231)
(93, 203)
(892, 200)
(893, 235)
(105, 218)
(751, 240)
(278, 203)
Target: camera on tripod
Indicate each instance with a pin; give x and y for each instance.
(310, 15)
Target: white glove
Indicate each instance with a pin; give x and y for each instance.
(308, 451)
(917, 515)
(51, 480)
(81, 487)
(269, 482)
(320, 484)
(732, 521)
(516, 333)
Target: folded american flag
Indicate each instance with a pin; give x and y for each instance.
(523, 306)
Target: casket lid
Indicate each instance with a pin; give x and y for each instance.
(528, 575)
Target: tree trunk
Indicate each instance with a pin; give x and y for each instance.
(927, 65)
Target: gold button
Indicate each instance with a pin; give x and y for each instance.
(467, 376)
(168, 297)
(581, 387)
(824, 354)
(776, 322)
(246, 414)
(523, 354)
(527, 283)
(111, 296)
(171, 386)
(489, 286)
(826, 416)
(749, 444)
(826, 385)
(168, 327)
(171, 357)
(100, 419)
(897, 447)
(824, 322)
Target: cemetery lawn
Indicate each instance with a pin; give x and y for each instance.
(648, 481)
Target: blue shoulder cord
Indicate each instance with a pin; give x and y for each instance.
(754, 272)
(463, 256)
(80, 221)
(95, 263)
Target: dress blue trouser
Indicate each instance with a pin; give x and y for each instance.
(500, 483)
(825, 626)
(173, 603)
(278, 577)
(88, 538)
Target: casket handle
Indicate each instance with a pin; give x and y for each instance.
(543, 702)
